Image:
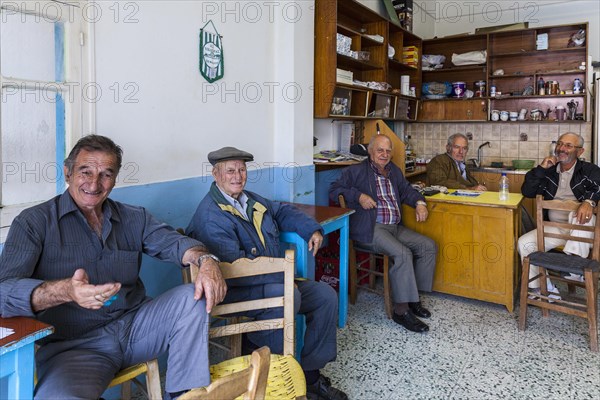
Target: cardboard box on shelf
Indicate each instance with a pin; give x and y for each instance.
(343, 76)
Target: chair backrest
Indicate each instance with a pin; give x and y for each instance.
(251, 382)
(342, 201)
(245, 267)
(573, 232)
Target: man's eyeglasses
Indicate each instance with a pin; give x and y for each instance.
(568, 146)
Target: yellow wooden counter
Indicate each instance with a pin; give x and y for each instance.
(476, 236)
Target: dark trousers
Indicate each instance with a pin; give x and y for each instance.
(82, 368)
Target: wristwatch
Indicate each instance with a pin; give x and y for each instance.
(203, 258)
(590, 202)
(421, 203)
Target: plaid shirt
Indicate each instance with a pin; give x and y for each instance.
(388, 211)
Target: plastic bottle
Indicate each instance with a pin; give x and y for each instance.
(503, 192)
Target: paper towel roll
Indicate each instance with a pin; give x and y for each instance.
(405, 85)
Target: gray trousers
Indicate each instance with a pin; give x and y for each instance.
(82, 368)
(414, 260)
(316, 300)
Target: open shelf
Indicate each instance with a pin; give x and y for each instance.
(538, 52)
(353, 63)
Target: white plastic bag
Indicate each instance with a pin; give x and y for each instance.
(469, 58)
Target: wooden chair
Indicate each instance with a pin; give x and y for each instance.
(250, 382)
(358, 271)
(286, 379)
(560, 263)
(129, 375)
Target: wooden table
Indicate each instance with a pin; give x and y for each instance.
(331, 219)
(476, 238)
(17, 362)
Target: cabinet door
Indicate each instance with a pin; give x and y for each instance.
(431, 111)
(466, 110)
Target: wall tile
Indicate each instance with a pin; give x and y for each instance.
(532, 131)
(548, 132)
(528, 150)
(504, 138)
(487, 131)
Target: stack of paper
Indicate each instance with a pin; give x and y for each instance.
(4, 332)
(542, 41)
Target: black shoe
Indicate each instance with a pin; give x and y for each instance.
(322, 390)
(410, 322)
(418, 309)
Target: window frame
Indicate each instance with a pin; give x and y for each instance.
(77, 70)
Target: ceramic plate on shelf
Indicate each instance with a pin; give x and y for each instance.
(391, 51)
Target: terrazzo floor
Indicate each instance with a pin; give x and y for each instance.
(473, 351)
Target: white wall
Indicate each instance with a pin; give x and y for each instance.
(455, 17)
(176, 117)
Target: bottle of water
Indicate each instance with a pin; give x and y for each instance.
(503, 192)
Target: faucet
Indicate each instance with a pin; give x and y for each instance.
(480, 153)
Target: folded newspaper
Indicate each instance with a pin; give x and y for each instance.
(336, 156)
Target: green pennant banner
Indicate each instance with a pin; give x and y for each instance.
(211, 53)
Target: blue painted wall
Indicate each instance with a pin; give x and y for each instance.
(175, 202)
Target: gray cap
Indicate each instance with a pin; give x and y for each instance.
(229, 153)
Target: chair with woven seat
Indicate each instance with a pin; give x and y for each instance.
(286, 378)
(553, 265)
(360, 270)
(241, 376)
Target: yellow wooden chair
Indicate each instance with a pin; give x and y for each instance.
(359, 271)
(130, 375)
(561, 263)
(286, 378)
(249, 380)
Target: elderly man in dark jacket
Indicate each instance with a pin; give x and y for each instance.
(237, 223)
(376, 189)
(562, 177)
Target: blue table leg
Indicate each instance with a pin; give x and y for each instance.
(17, 372)
(343, 299)
(343, 224)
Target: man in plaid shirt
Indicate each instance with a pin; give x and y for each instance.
(375, 189)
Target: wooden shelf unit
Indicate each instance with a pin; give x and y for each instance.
(515, 53)
(352, 19)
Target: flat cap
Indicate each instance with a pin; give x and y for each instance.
(229, 153)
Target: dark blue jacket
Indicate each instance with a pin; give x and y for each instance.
(585, 183)
(360, 178)
(229, 236)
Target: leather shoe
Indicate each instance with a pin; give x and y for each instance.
(322, 390)
(410, 322)
(418, 309)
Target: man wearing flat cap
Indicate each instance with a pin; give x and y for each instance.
(236, 223)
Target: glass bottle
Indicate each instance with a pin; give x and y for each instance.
(541, 87)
